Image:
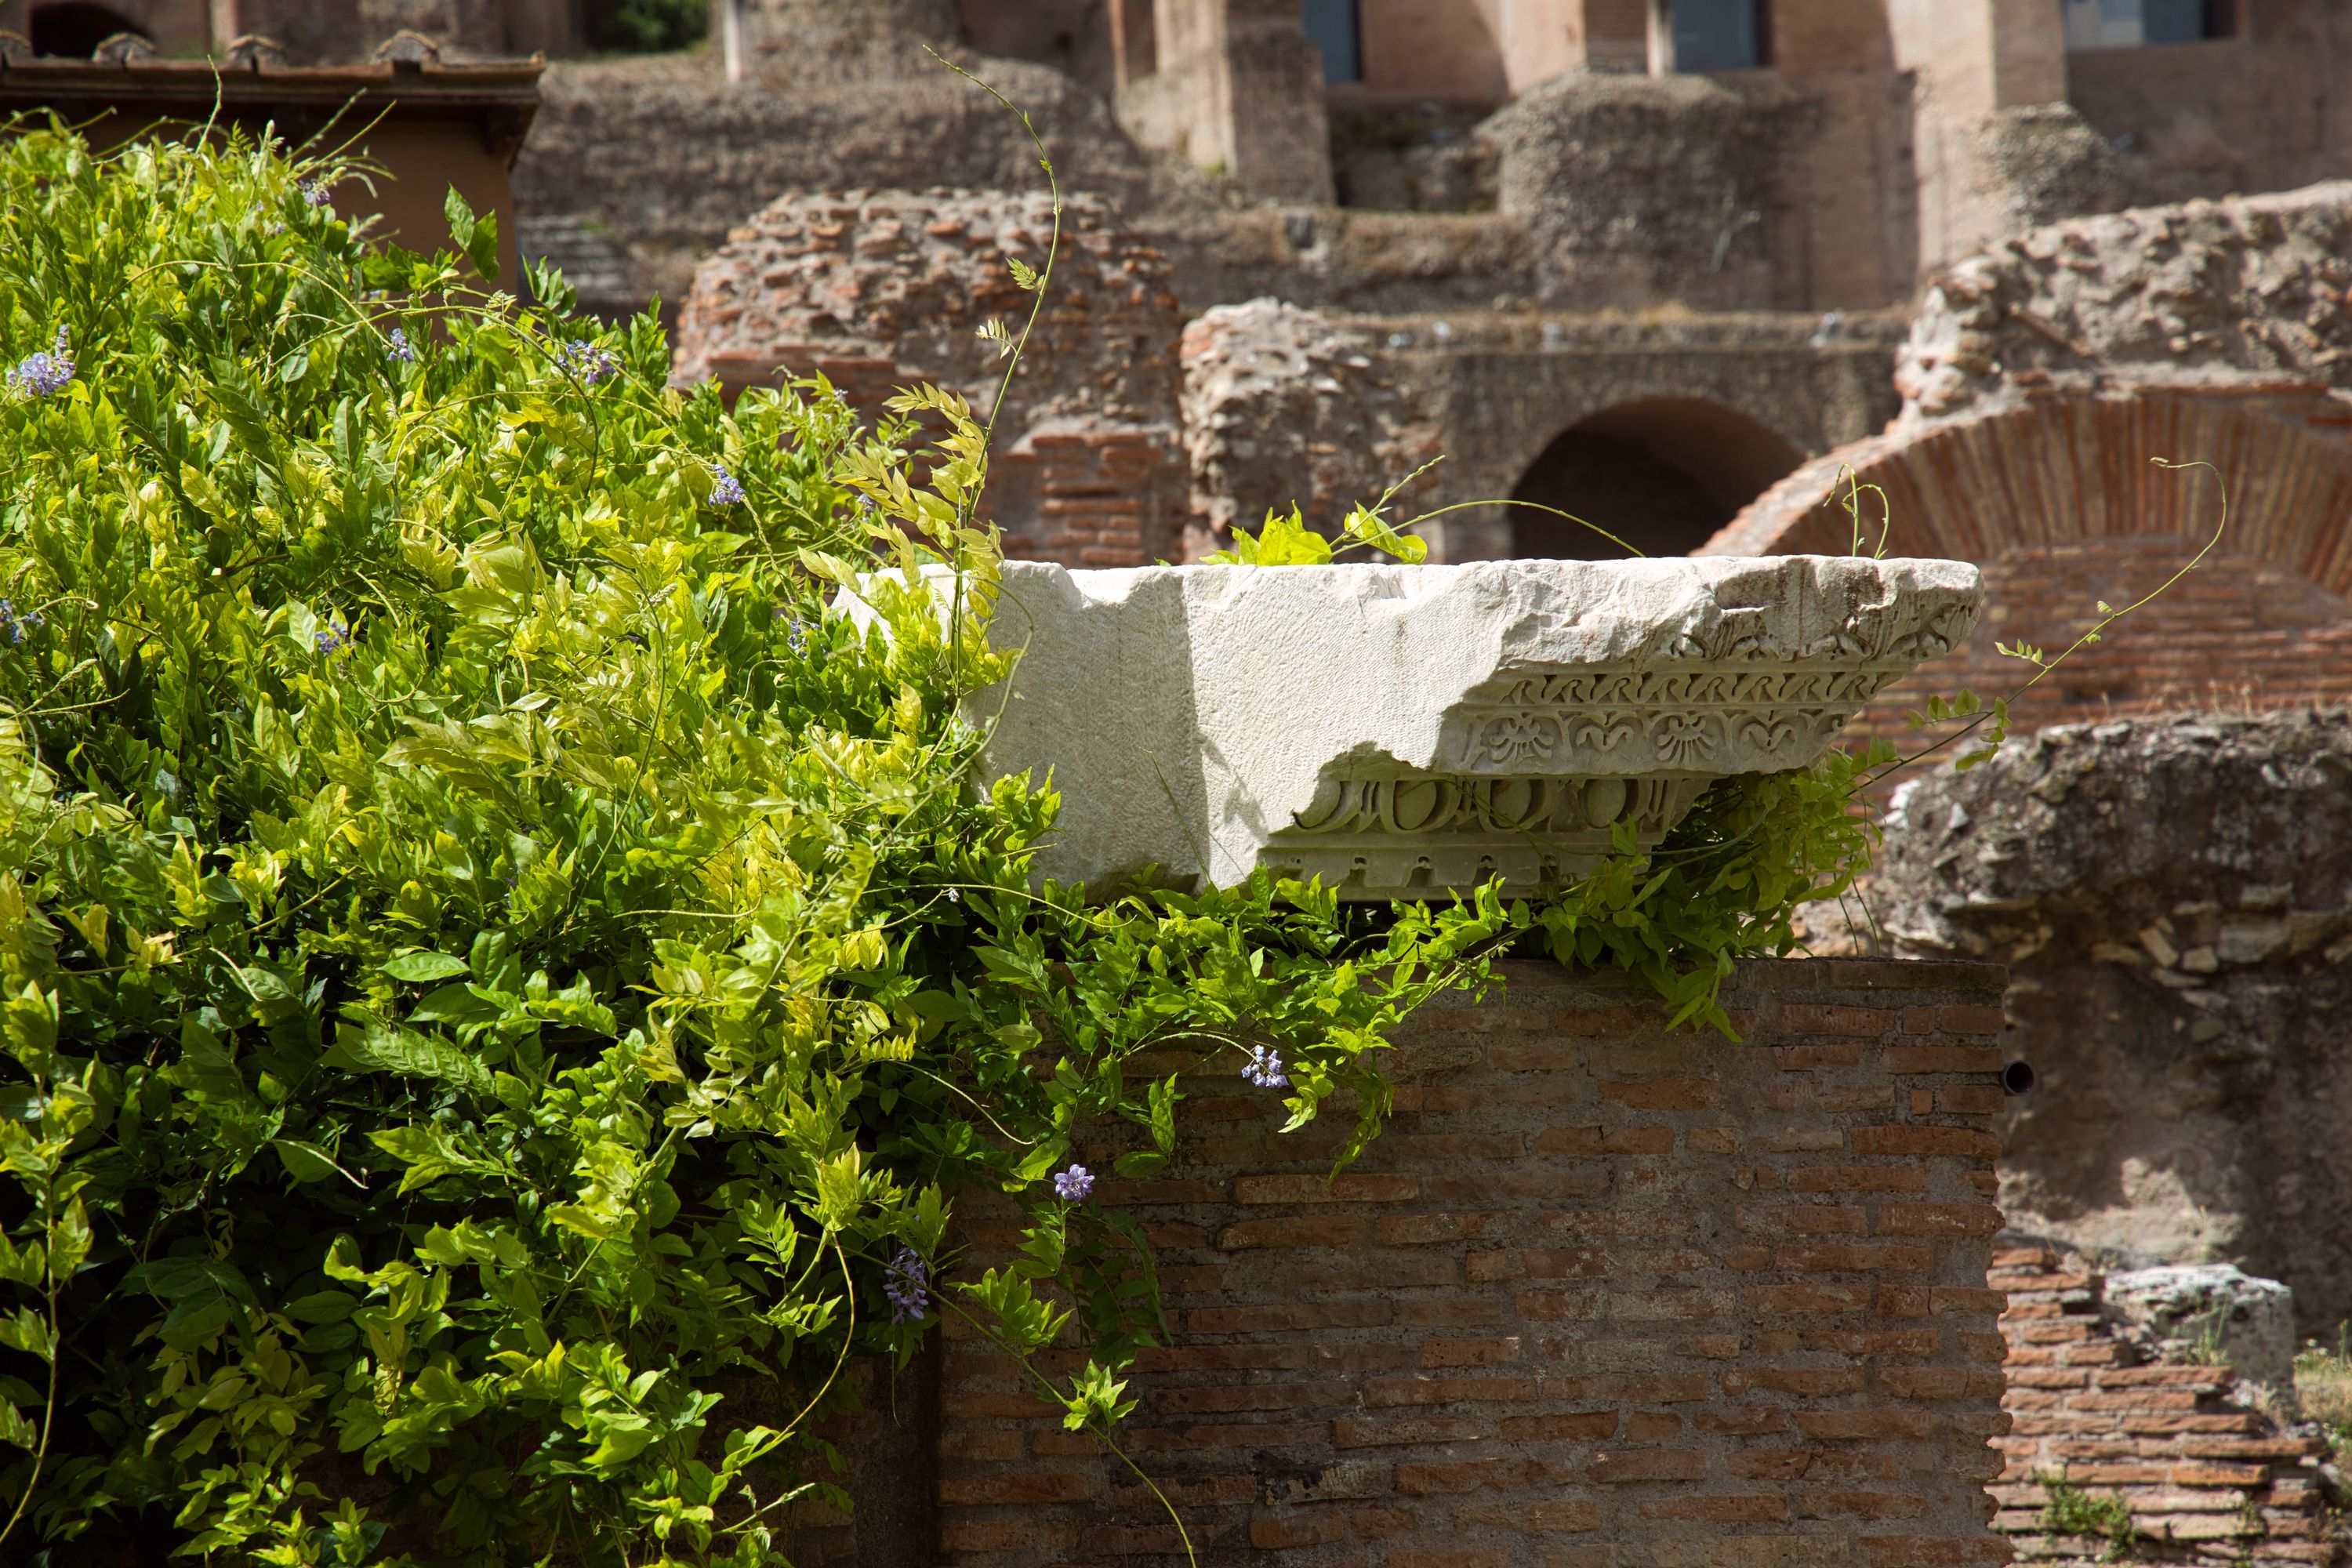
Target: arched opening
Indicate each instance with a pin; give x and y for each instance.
(1663, 474)
(75, 29)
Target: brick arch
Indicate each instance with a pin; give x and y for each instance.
(2061, 503)
(2071, 469)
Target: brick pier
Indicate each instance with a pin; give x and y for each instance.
(1600, 1296)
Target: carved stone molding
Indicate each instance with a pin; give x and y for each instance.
(1408, 730)
(1423, 832)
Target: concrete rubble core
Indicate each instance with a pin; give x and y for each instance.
(1403, 731)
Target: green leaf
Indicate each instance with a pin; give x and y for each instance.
(321, 1307)
(461, 219)
(382, 1047)
(421, 966)
(482, 247)
(308, 1163)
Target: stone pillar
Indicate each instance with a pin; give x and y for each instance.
(1133, 48)
(1541, 39)
(1239, 91)
(1975, 60)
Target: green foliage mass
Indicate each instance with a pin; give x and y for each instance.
(2071, 1511)
(500, 986)
(641, 26)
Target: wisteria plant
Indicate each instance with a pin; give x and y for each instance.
(493, 967)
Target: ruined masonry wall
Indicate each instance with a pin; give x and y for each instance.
(881, 289)
(2208, 1479)
(1600, 1294)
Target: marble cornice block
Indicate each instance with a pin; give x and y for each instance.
(1403, 731)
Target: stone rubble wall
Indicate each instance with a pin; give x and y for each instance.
(2208, 1477)
(1601, 1294)
(882, 290)
(2174, 900)
(669, 157)
(2199, 294)
(1283, 406)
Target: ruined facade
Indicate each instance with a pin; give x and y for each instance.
(1604, 187)
(2085, 405)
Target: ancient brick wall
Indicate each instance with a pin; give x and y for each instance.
(1601, 1295)
(882, 290)
(2206, 1478)
(2068, 500)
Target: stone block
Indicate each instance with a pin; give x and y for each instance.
(1408, 730)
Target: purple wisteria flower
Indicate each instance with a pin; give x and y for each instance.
(1073, 1184)
(591, 362)
(13, 627)
(314, 193)
(1265, 1068)
(40, 375)
(402, 349)
(334, 639)
(795, 632)
(908, 1283)
(725, 489)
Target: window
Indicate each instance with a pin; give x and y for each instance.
(1333, 28)
(2130, 24)
(1718, 34)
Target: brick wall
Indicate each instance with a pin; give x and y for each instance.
(2206, 1479)
(1601, 1295)
(2061, 503)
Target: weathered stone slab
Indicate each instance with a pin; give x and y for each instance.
(1401, 730)
(2236, 1319)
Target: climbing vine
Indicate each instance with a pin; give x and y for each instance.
(501, 984)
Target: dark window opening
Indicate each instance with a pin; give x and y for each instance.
(1333, 28)
(1663, 474)
(2134, 24)
(1719, 35)
(75, 30)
